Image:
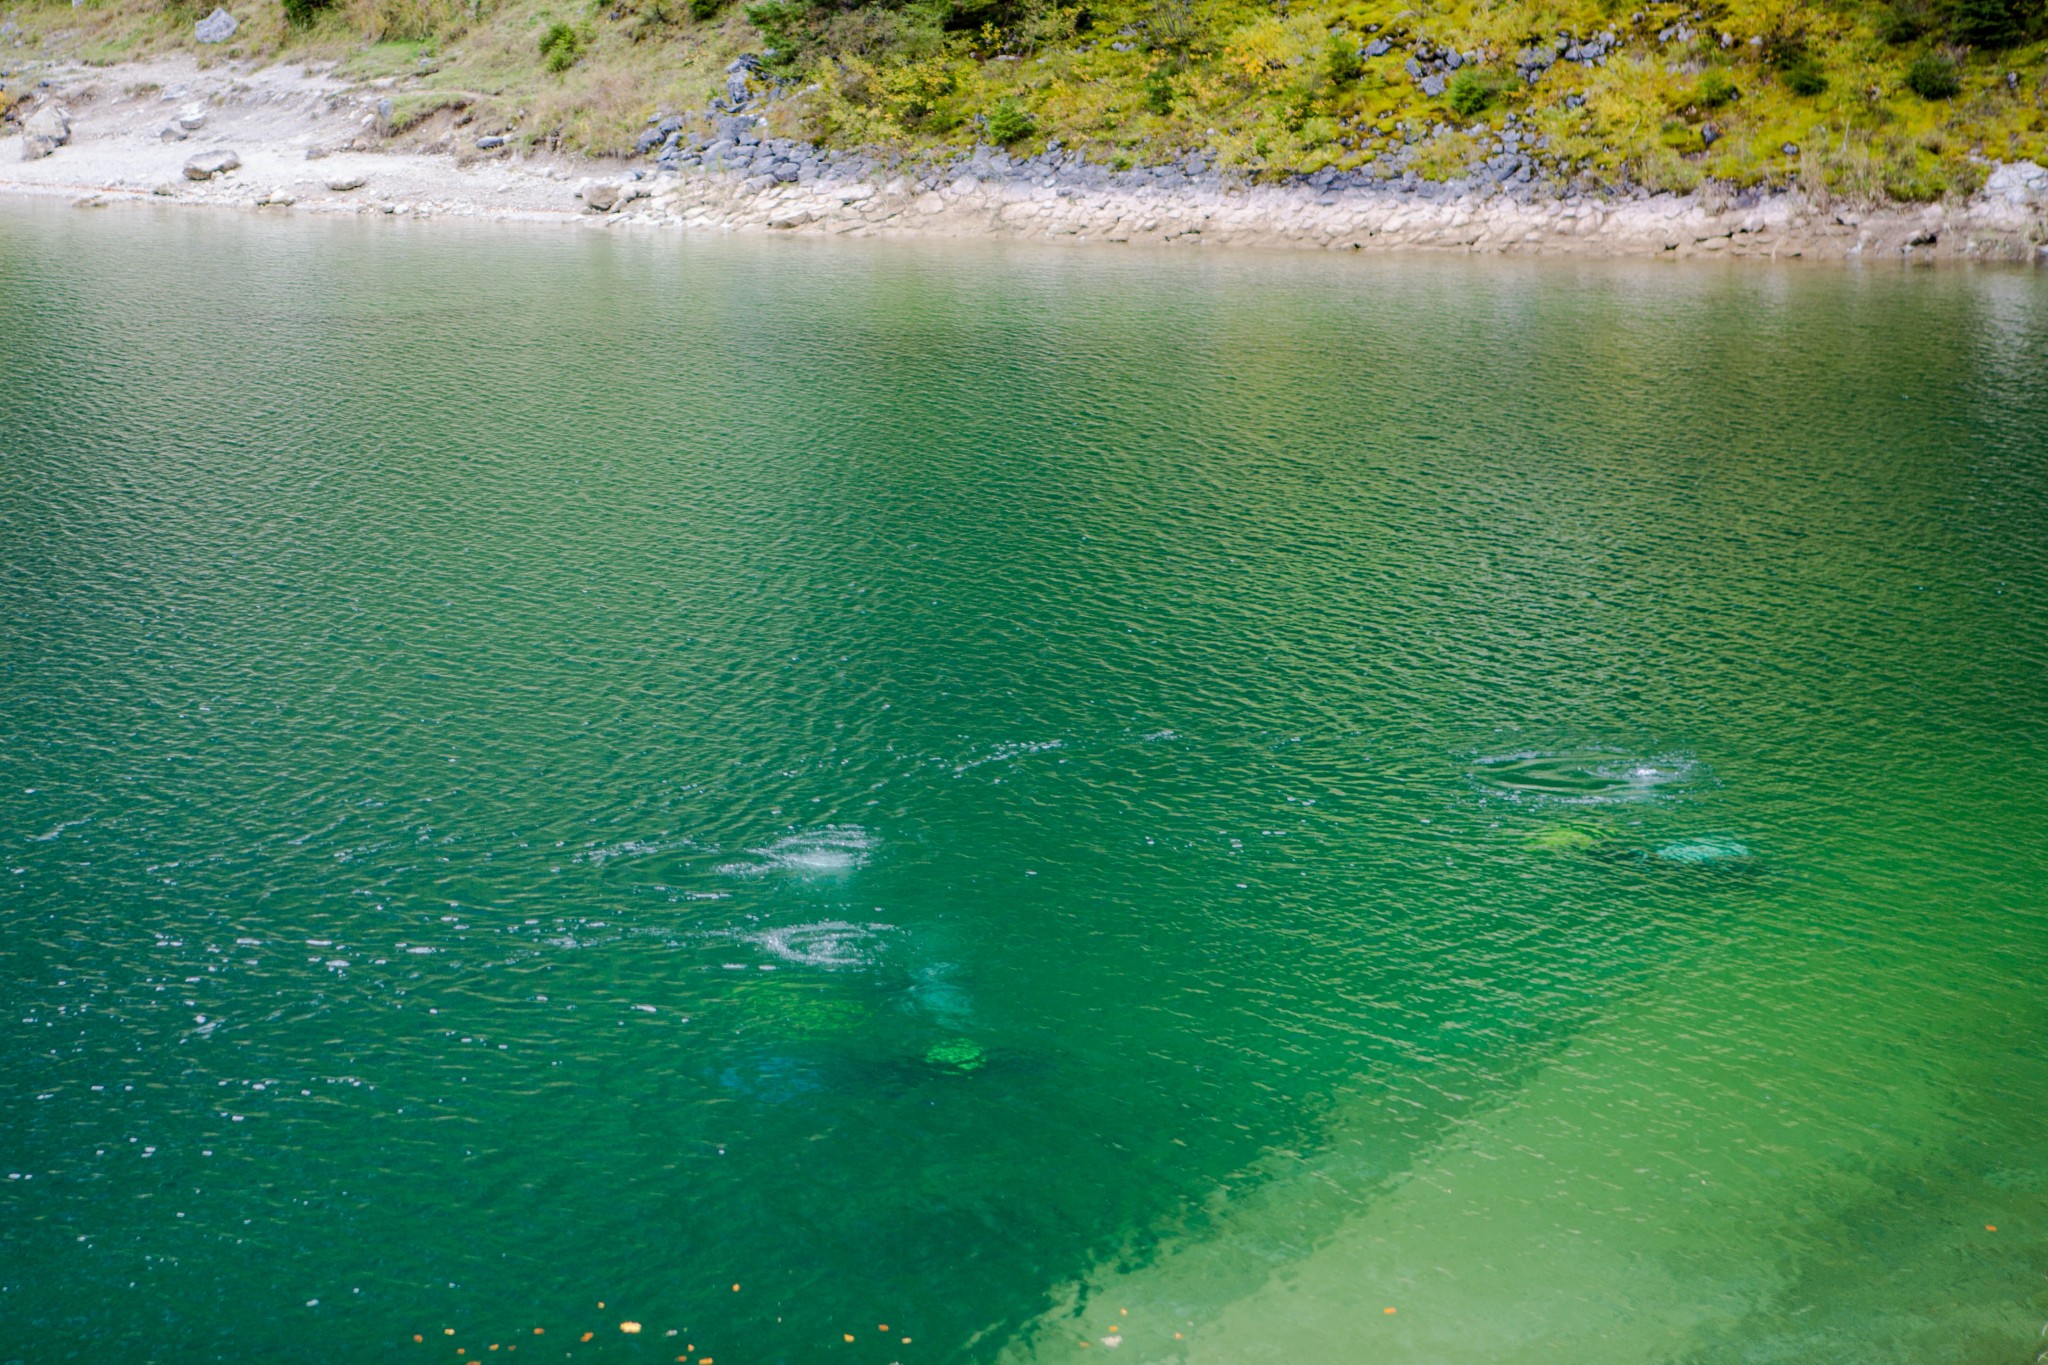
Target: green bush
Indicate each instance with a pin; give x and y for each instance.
(301, 12)
(1159, 92)
(1933, 76)
(1470, 92)
(1008, 122)
(1804, 78)
(781, 25)
(701, 10)
(1713, 89)
(560, 46)
(1340, 60)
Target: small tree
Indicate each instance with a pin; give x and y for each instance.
(1470, 92)
(1009, 122)
(1933, 76)
(1340, 59)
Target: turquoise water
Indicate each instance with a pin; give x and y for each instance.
(1030, 797)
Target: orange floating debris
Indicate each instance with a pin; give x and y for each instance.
(735, 1289)
(847, 1335)
(1989, 1228)
(538, 1330)
(629, 1328)
(1388, 1310)
(588, 1335)
(882, 1327)
(417, 1337)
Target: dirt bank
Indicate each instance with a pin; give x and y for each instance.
(305, 141)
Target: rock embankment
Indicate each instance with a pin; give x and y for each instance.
(305, 142)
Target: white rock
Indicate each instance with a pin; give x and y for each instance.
(342, 184)
(2017, 182)
(207, 165)
(216, 27)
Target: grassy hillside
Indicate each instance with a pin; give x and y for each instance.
(1905, 99)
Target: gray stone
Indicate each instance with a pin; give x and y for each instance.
(207, 165)
(44, 131)
(1378, 47)
(342, 184)
(192, 120)
(601, 195)
(171, 132)
(216, 27)
(490, 142)
(1432, 86)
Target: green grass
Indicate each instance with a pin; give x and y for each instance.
(1824, 93)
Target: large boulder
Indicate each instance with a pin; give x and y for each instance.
(602, 195)
(207, 165)
(2018, 183)
(44, 131)
(216, 27)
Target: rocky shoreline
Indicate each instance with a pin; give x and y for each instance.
(303, 141)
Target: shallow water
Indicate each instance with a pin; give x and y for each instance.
(1025, 796)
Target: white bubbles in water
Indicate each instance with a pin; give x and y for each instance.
(1585, 776)
(832, 944)
(830, 850)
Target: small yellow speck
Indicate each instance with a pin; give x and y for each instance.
(847, 1335)
(1389, 1310)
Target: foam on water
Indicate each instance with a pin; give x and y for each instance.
(1586, 776)
(832, 944)
(829, 850)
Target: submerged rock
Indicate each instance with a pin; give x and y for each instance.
(957, 1054)
(1566, 840)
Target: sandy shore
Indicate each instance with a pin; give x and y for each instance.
(307, 142)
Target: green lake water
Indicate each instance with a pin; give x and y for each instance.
(765, 789)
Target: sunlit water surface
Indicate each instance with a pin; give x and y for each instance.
(1228, 808)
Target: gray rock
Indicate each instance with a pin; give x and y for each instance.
(342, 184)
(44, 131)
(1433, 86)
(171, 132)
(602, 196)
(216, 27)
(192, 120)
(490, 142)
(207, 165)
(1378, 47)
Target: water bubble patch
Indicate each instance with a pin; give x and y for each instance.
(1586, 776)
